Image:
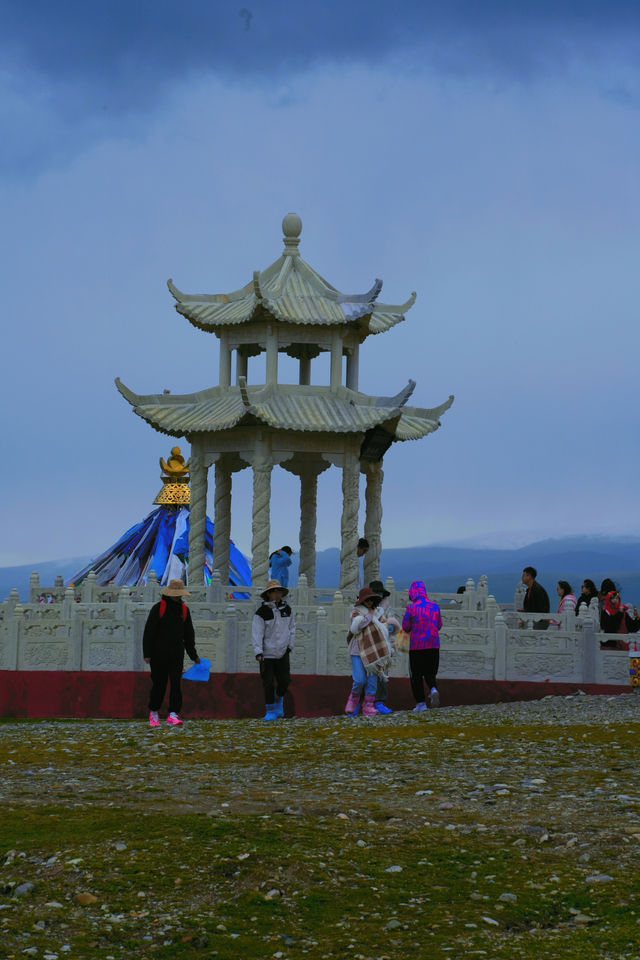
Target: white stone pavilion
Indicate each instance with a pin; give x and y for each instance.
(304, 427)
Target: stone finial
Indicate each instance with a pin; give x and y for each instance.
(291, 228)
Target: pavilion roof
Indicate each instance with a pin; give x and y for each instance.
(291, 291)
(304, 408)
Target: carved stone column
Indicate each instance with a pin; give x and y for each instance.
(222, 520)
(308, 519)
(260, 527)
(373, 520)
(197, 517)
(225, 359)
(349, 525)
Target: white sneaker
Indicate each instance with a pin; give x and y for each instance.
(435, 698)
(419, 707)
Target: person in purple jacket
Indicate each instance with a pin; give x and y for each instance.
(423, 622)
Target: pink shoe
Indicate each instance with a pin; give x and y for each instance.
(368, 706)
(154, 720)
(352, 705)
(174, 720)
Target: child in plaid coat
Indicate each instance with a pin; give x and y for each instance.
(366, 612)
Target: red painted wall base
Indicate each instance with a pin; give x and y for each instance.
(53, 693)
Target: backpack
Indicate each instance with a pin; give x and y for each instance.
(163, 608)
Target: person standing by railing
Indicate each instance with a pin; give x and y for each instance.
(567, 600)
(536, 599)
(423, 621)
(615, 618)
(588, 591)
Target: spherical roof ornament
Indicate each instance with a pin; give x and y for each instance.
(291, 228)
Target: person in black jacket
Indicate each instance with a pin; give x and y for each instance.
(536, 599)
(168, 632)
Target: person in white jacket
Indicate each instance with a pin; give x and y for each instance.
(273, 633)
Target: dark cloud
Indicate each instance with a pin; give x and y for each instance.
(110, 42)
(90, 63)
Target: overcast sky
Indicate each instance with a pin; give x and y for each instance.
(483, 154)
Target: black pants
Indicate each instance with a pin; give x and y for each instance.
(275, 674)
(161, 671)
(423, 663)
(382, 688)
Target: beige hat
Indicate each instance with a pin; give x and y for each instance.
(175, 588)
(273, 585)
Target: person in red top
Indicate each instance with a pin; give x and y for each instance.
(422, 620)
(168, 632)
(615, 618)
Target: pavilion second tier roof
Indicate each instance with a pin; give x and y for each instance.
(304, 408)
(291, 291)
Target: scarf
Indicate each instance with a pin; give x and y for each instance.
(373, 647)
(613, 611)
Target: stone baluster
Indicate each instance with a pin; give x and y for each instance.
(469, 595)
(88, 587)
(589, 651)
(216, 590)
(500, 647)
(139, 618)
(301, 593)
(9, 650)
(10, 604)
(123, 603)
(68, 604)
(518, 597)
(482, 590)
(34, 587)
(151, 588)
(232, 637)
(321, 641)
(491, 610)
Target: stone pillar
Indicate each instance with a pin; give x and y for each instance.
(197, 517)
(349, 526)
(242, 365)
(373, 520)
(352, 368)
(272, 355)
(222, 521)
(336, 360)
(305, 371)
(260, 526)
(308, 519)
(224, 376)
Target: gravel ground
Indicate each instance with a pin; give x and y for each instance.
(523, 756)
(551, 785)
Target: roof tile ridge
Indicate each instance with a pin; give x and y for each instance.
(367, 297)
(397, 307)
(433, 413)
(168, 398)
(324, 288)
(241, 294)
(261, 394)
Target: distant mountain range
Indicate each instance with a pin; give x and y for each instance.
(444, 568)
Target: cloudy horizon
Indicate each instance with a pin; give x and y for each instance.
(486, 158)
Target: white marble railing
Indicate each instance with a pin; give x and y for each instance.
(98, 628)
